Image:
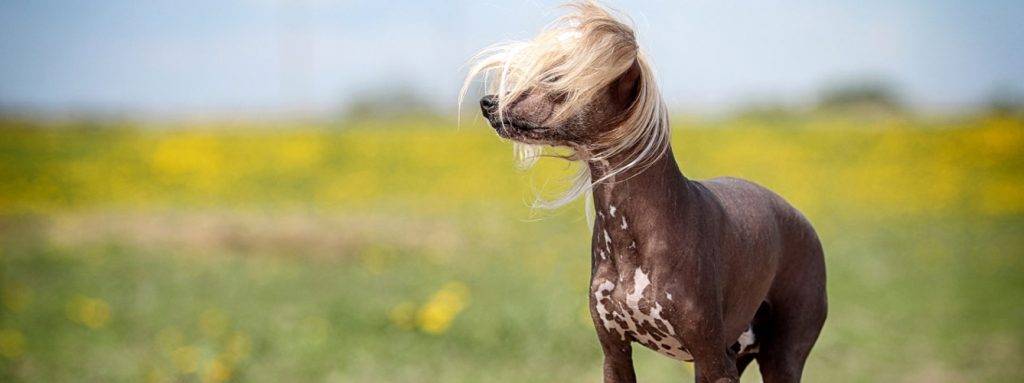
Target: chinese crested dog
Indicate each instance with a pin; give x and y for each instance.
(718, 272)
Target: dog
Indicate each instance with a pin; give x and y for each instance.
(719, 272)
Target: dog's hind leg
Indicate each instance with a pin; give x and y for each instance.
(797, 306)
(787, 342)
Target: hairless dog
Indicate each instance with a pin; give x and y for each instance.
(718, 272)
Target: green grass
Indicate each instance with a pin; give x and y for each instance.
(210, 255)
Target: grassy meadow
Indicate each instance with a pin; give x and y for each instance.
(405, 251)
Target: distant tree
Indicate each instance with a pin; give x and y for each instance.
(871, 96)
(767, 112)
(387, 103)
(1005, 100)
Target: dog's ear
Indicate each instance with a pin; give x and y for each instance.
(625, 88)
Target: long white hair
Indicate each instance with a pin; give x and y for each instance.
(578, 56)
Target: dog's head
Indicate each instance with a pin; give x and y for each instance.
(582, 83)
(573, 85)
(545, 115)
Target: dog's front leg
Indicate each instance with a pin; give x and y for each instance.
(715, 366)
(700, 313)
(618, 361)
(711, 358)
(618, 354)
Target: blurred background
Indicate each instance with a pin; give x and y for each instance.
(257, 190)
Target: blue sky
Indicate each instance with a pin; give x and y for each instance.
(243, 56)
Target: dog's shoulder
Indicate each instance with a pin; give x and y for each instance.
(740, 197)
(738, 190)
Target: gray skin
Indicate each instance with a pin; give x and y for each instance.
(731, 253)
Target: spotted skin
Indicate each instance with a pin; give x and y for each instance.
(650, 285)
(636, 316)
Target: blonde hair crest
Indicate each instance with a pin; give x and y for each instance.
(577, 57)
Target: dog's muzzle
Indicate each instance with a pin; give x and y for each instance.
(489, 105)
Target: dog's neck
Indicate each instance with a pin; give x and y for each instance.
(639, 188)
(632, 205)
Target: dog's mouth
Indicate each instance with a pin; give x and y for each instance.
(518, 130)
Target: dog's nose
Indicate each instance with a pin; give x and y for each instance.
(488, 103)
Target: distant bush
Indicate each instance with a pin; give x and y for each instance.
(390, 103)
(864, 96)
(1005, 101)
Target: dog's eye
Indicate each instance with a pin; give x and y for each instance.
(557, 97)
(551, 78)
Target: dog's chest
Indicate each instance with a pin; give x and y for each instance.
(630, 310)
(626, 302)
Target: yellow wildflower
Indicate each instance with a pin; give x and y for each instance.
(238, 347)
(437, 314)
(216, 371)
(186, 359)
(91, 312)
(12, 343)
(299, 152)
(156, 375)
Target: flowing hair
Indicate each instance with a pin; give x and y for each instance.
(577, 57)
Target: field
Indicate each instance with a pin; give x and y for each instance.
(405, 251)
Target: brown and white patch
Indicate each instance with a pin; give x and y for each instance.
(638, 318)
(635, 315)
